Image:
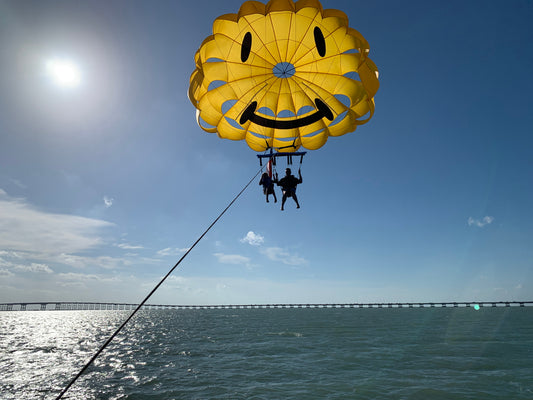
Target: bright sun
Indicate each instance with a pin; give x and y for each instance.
(64, 73)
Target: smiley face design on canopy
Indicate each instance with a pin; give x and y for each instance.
(283, 75)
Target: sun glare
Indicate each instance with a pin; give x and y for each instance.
(63, 73)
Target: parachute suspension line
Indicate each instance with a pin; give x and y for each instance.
(155, 288)
(272, 157)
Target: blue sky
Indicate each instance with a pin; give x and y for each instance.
(105, 185)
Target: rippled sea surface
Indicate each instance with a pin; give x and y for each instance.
(300, 354)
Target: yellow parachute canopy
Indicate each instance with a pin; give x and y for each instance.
(283, 75)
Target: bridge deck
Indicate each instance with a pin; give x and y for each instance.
(58, 306)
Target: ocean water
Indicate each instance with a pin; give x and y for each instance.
(421, 353)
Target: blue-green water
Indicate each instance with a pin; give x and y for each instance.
(300, 354)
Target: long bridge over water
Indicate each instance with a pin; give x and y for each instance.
(62, 306)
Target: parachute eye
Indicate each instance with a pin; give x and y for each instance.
(246, 46)
(319, 41)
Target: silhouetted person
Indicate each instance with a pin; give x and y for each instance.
(268, 186)
(288, 186)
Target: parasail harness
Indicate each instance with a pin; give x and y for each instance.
(272, 157)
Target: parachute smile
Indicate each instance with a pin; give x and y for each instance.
(322, 111)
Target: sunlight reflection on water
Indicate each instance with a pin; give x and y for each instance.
(42, 352)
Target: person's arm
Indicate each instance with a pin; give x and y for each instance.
(300, 176)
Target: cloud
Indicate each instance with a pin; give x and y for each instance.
(126, 246)
(5, 272)
(73, 276)
(19, 261)
(169, 251)
(105, 262)
(83, 282)
(253, 239)
(6, 259)
(24, 228)
(35, 267)
(10, 254)
(281, 255)
(18, 183)
(232, 259)
(480, 223)
(179, 282)
(108, 201)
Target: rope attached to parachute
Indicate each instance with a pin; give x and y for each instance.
(153, 290)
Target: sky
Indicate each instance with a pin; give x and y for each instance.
(106, 179)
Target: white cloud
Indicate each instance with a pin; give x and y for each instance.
(282, 255)
(4, 262)
(108, 201)
(480, 223)
(83, 282)
(35, 267)
(18, 261)
(169, 251)
(24, 228)
(73, 276)
(126, 246)
(232, 259)
(105, 262)
(10, 254)
(253, 239)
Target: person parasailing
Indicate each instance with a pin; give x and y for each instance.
(268, 186)
(288, 186)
